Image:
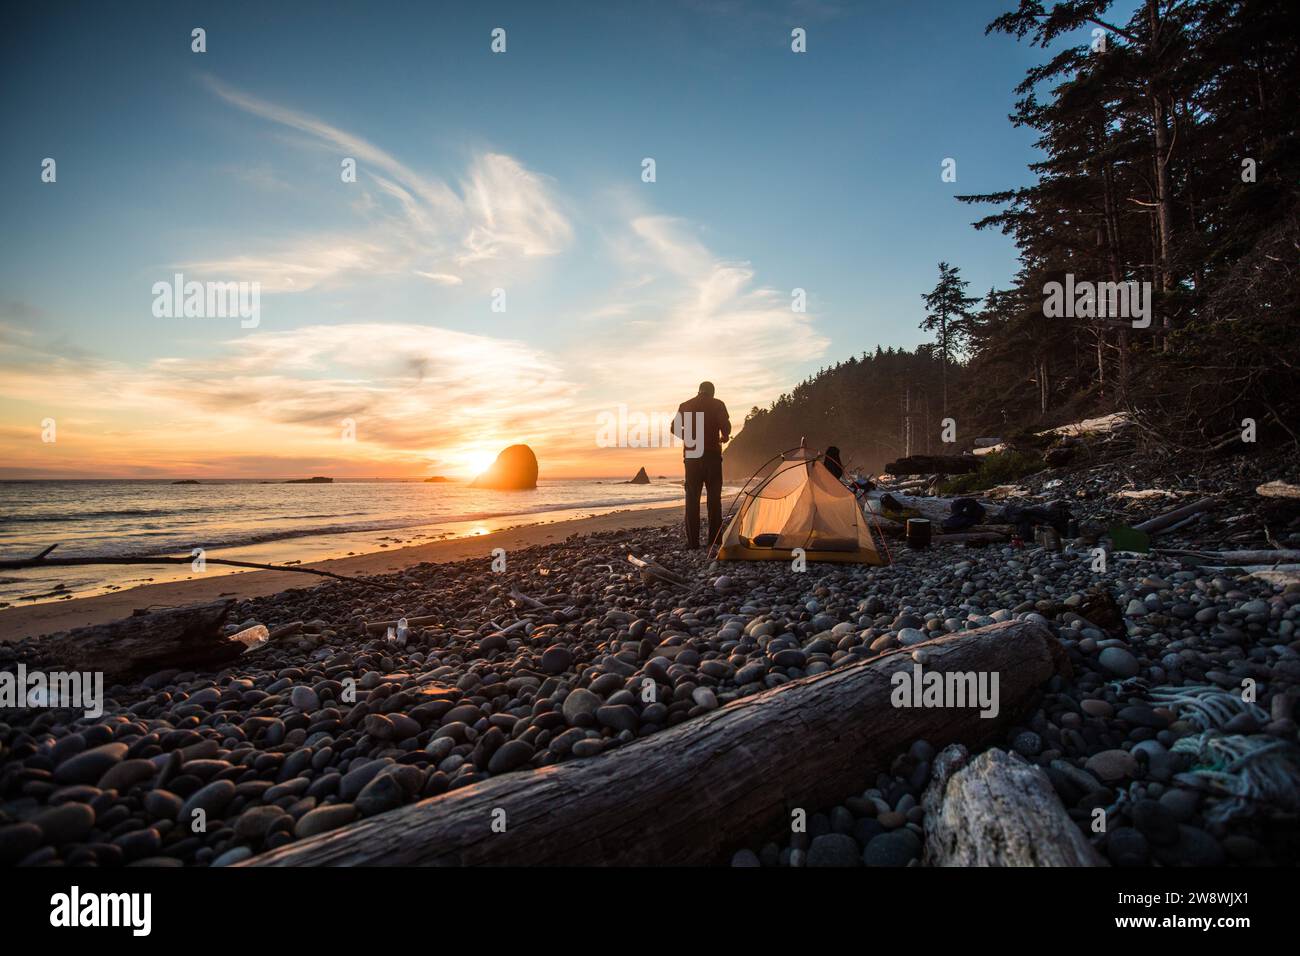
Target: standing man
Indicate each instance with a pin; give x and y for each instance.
(703, 426)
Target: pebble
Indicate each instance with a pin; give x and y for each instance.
(325, 818)
(281, 736)
(211, 799)
(1111, 765)
(889, 849)
(65, 823)
(511, 755)
(1119, 662)
(89, 765)
(834, 849)
(579, 703)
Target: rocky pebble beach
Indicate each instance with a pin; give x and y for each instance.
(331, 724)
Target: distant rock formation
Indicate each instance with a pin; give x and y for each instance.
(438, 478)
(185, 481)
(310, 481)
(514, 470)
(641, 478)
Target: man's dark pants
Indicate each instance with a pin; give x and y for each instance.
(703, 472)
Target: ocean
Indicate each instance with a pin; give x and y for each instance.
(271, 523)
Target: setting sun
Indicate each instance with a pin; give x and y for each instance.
(475, 462)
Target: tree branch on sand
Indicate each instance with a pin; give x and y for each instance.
(43, 561)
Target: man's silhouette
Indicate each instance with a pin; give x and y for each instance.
(703, 426)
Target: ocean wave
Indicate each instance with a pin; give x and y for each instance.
(175, 541)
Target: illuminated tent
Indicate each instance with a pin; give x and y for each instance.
(798, 504)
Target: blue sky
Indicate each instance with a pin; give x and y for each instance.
(476, 171)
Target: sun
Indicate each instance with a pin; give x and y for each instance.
(477, 462)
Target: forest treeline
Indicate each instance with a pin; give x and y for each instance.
(1170, 181)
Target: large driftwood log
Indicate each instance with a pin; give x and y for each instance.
(694, 792)
(189, 638)
(998, 810)
(934, 465)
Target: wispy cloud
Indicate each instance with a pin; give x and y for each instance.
(699, 317)
(409, 222)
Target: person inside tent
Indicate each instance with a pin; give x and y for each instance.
(832, 462)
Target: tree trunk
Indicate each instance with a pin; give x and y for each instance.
(943, 355)
(998, 810)
(695, 792)
(1164, 202)
(189, 638)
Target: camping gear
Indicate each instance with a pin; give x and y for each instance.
(918, 532)
(1026, 517)
(966, 513)
(798, 503)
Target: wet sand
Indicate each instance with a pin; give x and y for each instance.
(50, 617)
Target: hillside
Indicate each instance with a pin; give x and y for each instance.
(858, 404)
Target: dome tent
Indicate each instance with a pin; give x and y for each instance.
(798, 504)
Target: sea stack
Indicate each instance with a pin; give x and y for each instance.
(514, 470)
(641, 478)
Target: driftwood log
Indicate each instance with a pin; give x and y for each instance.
(1227, 558)
(998, 810)
(693, 793)
(189, 638)
(934, 465)
(1279, 489)
(936, 509)
(652, 571)
(1167, 520)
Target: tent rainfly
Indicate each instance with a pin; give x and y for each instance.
(799, 504)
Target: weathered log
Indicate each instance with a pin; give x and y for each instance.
(998, 810)
(912, 484)
(652, 571)
(693, 793)
(1278, 489)
(934, 464)
(379, 627)
(189, 638)
(1167, 520)
(917, 506)
(1261, 556)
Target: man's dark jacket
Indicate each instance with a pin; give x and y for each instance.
(717, 425)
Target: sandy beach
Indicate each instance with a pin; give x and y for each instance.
(51, 617)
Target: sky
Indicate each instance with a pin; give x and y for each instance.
(500, 270)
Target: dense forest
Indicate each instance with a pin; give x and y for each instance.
(1159, 250)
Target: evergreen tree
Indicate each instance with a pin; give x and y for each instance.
(948, 313)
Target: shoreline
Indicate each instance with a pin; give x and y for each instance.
(49, 617)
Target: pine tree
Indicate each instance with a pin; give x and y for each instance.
(948, 312)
